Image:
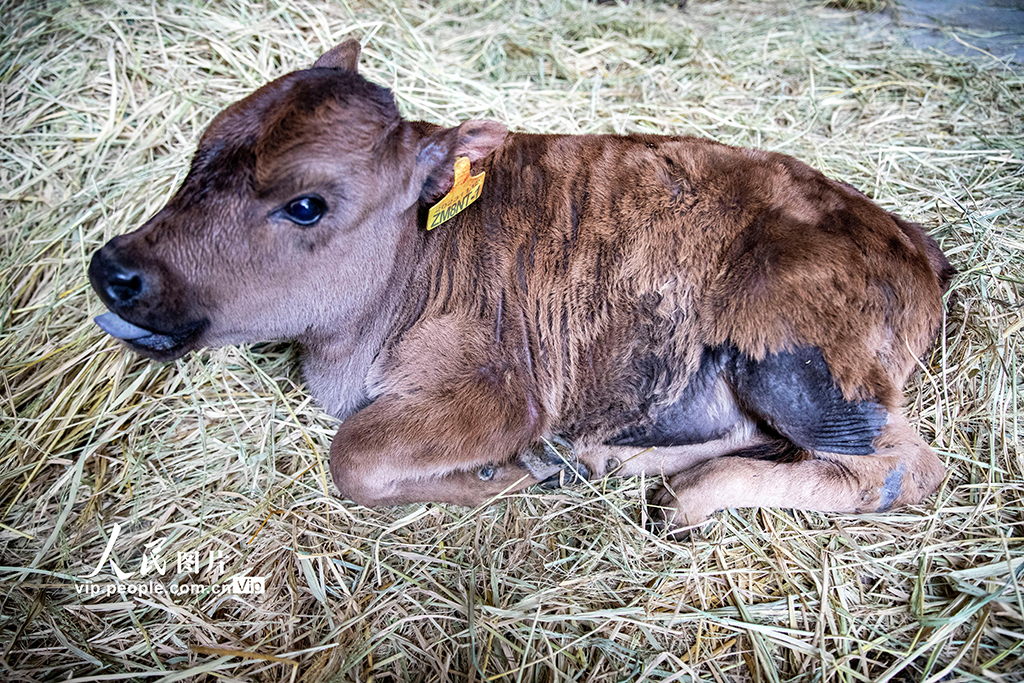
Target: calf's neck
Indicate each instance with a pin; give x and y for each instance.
(729, 319)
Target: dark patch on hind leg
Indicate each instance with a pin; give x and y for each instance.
(795, 393)
(891, 488)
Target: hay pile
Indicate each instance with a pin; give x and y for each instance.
(224, 454)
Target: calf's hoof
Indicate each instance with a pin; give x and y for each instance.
(670, 516)
(554, 462)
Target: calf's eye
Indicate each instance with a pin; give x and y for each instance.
(305, 210)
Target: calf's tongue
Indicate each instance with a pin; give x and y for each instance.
(116, 326)
(139, 337)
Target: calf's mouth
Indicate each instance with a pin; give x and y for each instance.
(158, 345)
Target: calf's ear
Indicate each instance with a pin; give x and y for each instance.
(474, 139)
(342, 56)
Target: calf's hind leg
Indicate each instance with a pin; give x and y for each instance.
(902, 471)
(863, 457)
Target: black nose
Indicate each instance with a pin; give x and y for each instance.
(123, 285)
(118, 284)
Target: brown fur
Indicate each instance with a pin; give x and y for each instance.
(575, 297)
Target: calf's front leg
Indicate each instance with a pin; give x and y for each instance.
(399, 450)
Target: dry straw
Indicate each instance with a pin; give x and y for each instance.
(101, 104)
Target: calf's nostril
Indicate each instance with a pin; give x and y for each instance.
(123, 286)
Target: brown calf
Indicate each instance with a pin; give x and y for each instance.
(728, 318)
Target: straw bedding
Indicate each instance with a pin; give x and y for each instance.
(222, 455)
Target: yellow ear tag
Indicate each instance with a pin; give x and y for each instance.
(464, 192)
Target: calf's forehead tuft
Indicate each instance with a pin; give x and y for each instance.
(314, 87)
(299, 95)
(272, 118)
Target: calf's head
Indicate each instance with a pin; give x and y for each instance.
(289, 220)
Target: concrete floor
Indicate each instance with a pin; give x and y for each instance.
(993, 26)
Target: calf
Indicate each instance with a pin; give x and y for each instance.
(730, 319)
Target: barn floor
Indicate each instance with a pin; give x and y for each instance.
(962, 27)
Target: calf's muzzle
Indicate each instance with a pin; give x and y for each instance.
(138, 314)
